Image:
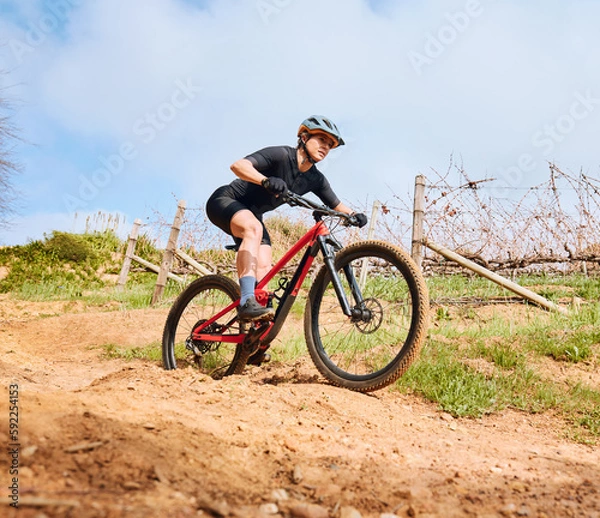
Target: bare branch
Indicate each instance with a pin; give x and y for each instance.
(9, 196)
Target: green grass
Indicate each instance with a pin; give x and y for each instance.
(574, 346)
(288, 348)
(503, 355)
(151, 352)
(137, 294)
(454, 286)
(566, 286)
(585, 410)
(479, 361)
(440, 376)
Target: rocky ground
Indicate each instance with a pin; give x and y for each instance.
(101, 437)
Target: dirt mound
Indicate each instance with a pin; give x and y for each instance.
(108, 438)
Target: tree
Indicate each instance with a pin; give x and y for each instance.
(8, 168)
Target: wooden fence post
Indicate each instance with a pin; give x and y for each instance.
(133, 236)
(169, 253)
(418, 216)
(372, 224)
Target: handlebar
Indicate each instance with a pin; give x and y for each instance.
(295, 200)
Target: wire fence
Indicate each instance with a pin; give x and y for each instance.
(550, 227)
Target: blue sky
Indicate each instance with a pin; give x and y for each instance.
(127, 106)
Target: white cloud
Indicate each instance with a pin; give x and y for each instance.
(497, 81)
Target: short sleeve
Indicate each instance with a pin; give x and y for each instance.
(266, 159)
(326, 193)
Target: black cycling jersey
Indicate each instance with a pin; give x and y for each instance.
(279, 161)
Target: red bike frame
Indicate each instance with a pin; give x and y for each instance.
(308, 241)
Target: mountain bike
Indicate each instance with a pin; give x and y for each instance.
(365, 318)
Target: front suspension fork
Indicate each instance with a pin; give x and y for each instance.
(328, 247)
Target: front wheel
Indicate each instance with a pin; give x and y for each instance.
(201, 300)
(376, 345)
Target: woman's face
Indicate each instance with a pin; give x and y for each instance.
(318, 146)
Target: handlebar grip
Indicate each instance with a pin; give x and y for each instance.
(290, 198)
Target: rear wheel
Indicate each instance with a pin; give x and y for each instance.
(375, 346)
(200, 301)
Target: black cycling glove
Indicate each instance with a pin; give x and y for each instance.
(358, 219)
(275, 185)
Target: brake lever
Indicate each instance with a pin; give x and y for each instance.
(350, 221)
(290, 199)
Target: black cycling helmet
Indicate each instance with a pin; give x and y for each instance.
(317, 123)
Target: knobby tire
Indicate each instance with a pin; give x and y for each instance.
(370, 354)
(201, 300)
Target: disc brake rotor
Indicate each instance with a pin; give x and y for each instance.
(371, 318)
(200, 347)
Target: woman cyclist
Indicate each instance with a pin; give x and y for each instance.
(263, 179)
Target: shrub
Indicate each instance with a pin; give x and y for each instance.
(69, 247)
(61, 263)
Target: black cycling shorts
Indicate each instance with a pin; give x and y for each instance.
(221, 207)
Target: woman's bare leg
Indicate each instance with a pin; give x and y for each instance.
(246, 227)
(252, 259)
(265, 257)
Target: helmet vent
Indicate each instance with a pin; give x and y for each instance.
(320, 123)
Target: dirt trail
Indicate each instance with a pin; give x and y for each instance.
(109, 438)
